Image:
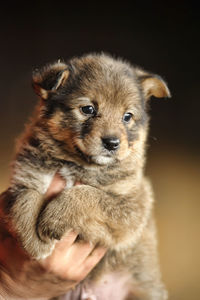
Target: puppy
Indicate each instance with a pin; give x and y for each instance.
(90, 126)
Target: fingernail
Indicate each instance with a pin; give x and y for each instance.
(91, 244)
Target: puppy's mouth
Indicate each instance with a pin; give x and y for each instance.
(103, 159)
(99, 159)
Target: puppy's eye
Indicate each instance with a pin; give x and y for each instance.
(88, 110)
(127, 117)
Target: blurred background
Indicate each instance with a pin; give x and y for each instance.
(162, 37)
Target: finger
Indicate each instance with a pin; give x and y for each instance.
(56, 258)
(66, 265)
(94, 257)
(88, 264)
(56, 186)
(65, 243)
(78, 183)
(78, 252)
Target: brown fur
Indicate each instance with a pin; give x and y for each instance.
(113, 206)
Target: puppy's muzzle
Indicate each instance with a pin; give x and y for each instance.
(111, 143)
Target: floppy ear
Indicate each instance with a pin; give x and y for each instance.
(49, 79)
(152, 85)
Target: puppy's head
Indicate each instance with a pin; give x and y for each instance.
(95, 106)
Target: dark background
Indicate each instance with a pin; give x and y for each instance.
(163, 37)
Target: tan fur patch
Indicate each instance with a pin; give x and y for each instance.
(62, 79)
(59, 133)
(155, 87)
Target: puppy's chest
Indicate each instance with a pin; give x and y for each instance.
(100, 178)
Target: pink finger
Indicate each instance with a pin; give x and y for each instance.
(66, 242)
(78, 252)
(90, 262)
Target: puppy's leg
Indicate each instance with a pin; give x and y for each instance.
(78, 208)
(90, 212)
(99, 217)
(146, 271)
(21, 211)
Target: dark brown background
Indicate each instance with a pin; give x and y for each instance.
(163, 39)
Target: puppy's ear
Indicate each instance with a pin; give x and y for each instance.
(49, 79)
(152, 85)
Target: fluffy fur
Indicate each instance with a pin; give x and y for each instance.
(90, 126)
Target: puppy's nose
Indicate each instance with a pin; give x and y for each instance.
(111, 143)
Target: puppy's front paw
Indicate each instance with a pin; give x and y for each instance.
(51, 229)
(38, 249)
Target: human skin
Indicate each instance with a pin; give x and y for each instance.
(24, 278)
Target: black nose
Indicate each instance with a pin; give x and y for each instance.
(111, 143)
